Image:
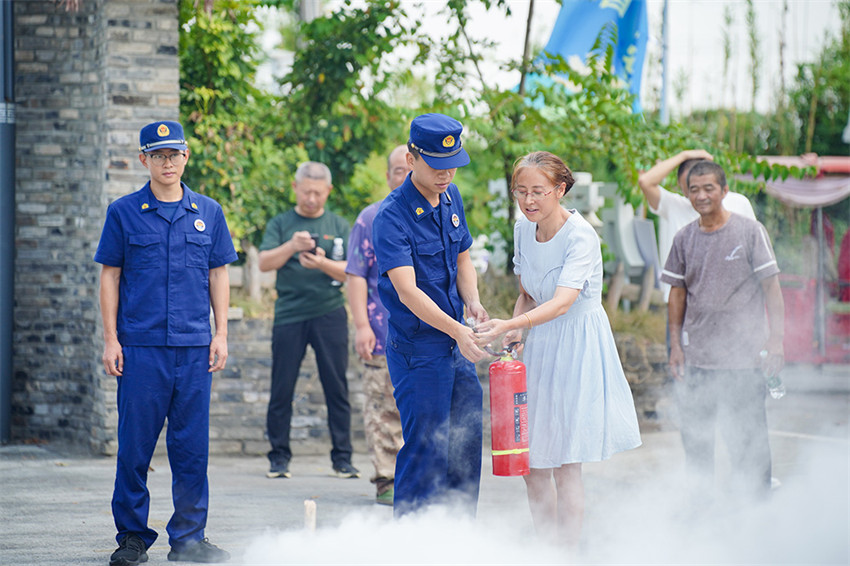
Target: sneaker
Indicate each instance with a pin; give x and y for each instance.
(346, 470)
(385, 498)
(201, 551)
(279, 470)
(131, 551)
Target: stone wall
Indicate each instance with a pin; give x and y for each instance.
(86, 82)
(241, 393)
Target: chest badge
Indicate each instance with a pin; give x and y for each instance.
(455, 220)
(199, 225)
(419, 210)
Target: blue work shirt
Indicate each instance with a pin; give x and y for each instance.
(164, 291)
(408, 230)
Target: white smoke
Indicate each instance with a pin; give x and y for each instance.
(438, 536)
(642, 516)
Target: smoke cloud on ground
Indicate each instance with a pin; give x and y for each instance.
(639, 511)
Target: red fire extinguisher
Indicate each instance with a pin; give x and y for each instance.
(509, 416)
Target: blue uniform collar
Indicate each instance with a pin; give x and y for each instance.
(148, 201)
(419, 206)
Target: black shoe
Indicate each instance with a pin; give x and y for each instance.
(131, 551)
(346, 470)
(279, 470)
(201, 551)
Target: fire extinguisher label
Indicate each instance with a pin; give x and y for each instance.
(517, 427)
(520, 417)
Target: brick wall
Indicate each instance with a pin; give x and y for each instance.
(240, 395)
(85, 83)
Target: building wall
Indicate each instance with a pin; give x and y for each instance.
(85, 83)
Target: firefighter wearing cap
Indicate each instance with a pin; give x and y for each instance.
(422, 246)
(164, 251)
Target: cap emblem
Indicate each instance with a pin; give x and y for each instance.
(162, 130)
(448, 141)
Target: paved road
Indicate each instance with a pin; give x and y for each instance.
(54, 507)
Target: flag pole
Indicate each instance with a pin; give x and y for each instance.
(665, 75)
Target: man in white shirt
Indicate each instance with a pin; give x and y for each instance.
(674, 210)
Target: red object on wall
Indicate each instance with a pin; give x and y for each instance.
(799, 294)
(509, 418)
(844, 269)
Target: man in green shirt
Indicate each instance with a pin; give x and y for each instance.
(306, 245)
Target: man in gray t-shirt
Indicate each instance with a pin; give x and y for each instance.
(725, 308)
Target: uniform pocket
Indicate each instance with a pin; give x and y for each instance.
(430, 257)
(198, 250)
(144, 251)
(455, 236)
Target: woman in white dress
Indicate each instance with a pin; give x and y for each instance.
(580, 406)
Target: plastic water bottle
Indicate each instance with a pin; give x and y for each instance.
(337, 254)
(774, 382)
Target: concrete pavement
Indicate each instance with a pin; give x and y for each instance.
(55, 507)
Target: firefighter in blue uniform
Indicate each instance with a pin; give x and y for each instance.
(422, 245)
(164, 251)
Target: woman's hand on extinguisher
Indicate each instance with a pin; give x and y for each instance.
(487, 332)
(513, 337)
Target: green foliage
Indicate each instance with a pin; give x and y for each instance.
(342, 104)
(231, 126)
(333, 98)
(821, 96)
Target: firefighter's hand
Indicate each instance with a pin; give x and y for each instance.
(465, 338)
(218, 353)
(476, 311)
(113, 358)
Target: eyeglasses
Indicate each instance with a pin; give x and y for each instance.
(159, 158)
(537, 195)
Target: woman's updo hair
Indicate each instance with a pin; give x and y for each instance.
(552, 167)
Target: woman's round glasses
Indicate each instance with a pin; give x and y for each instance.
(536, 195)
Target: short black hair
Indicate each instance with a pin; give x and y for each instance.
(706, 167)
(413, 150)
(685, 167)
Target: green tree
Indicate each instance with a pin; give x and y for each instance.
(821, 95)
(232, 126)
(334, 102)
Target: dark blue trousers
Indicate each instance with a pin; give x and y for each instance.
(163, 383)
(439, 399)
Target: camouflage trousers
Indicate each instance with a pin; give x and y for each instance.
(382, 422)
